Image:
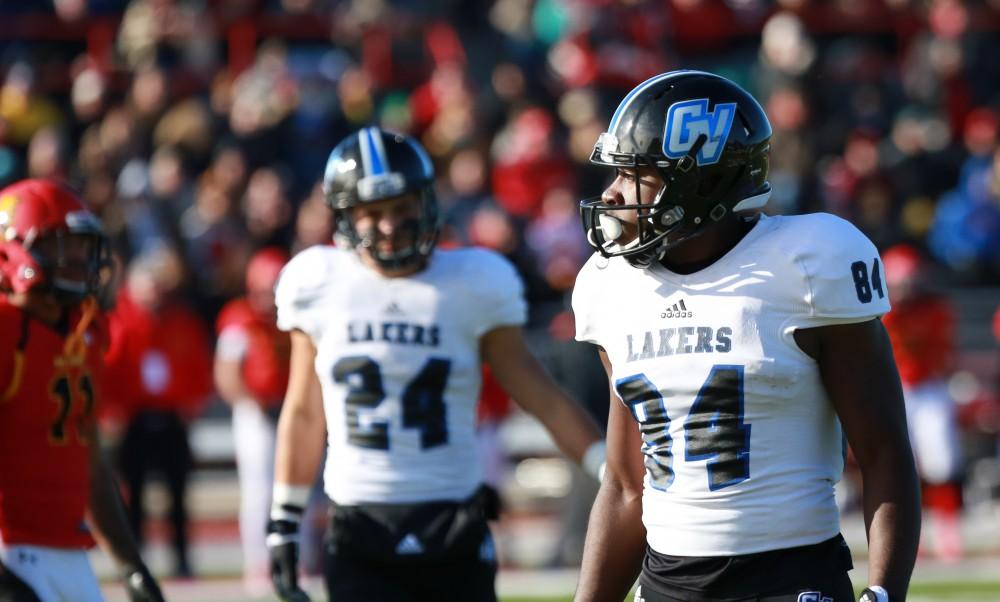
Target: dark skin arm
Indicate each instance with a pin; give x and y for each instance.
(616, 537)
(105, 512)
(861, 380)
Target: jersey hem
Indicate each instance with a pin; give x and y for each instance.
(741, 550)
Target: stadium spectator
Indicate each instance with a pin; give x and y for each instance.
(251, 375)
(314, 222)
(921, 327)
(267, 209)
(160, 363)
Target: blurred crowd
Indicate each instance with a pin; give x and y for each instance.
(198, 129)
(201, 128)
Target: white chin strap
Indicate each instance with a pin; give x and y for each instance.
(753, 202)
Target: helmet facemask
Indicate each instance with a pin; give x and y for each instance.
(419, 231)
(74, 261)
(659, 224)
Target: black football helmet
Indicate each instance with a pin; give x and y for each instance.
(707, 138)
(372, 165)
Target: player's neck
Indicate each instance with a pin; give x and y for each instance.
(40, 306)
(401, 272)
(698, 253)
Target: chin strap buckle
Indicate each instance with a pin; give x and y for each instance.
(686, 163)
(690, 160)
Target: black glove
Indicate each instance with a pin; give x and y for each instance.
(283, 548)
(141, 586)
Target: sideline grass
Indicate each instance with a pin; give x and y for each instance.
(952, 591)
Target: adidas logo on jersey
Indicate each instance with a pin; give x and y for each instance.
(393, 309)
(677, 310)
(409, 545)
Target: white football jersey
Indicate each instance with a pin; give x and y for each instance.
(742, 446)
(398, 361)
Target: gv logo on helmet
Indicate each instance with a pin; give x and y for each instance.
(688, 119)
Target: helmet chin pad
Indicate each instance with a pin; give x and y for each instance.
(410, 254)
(611, 226)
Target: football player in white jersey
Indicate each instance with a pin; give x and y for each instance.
(740, 351)
(387, 338)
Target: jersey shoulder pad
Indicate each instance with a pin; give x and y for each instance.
(491, 284)
(843, 278)
(301, 285)
(485, 267)
(597, 280)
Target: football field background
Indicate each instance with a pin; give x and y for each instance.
(972, 580)
(216, 557)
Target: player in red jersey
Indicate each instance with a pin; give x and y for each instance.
(57, 494)
(251, 374)
(921, 327)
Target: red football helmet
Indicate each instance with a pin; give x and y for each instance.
(263, 269)
(262, 274)
(48, 238)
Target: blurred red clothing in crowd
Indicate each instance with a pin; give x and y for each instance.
(922, 334)
(267, 349)
(158, 359)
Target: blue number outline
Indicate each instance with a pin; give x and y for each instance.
(743, 453)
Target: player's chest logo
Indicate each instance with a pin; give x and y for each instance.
(395, 332)
(678, 341)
